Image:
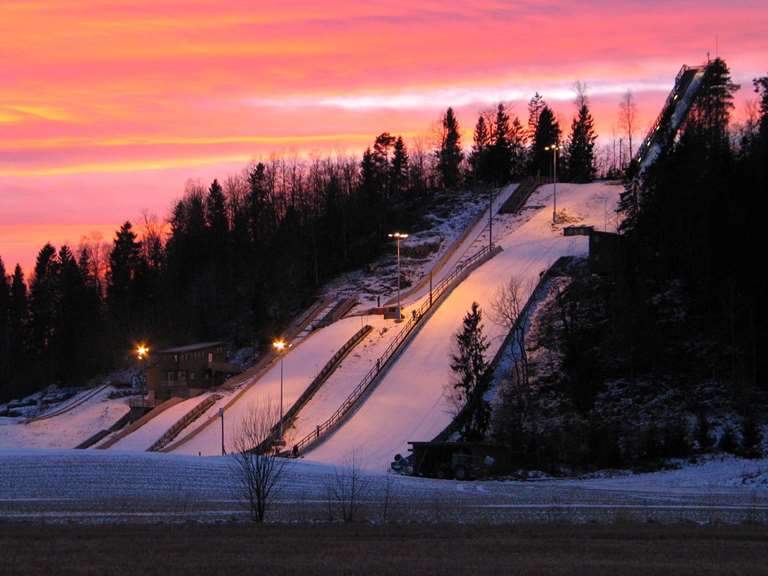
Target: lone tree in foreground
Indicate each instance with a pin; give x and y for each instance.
(259, 475)
(471, 370)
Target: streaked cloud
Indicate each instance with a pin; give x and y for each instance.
(107, 106)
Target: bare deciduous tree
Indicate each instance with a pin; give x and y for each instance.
(260, 475)
(507, 310)
(627, 117)
(580, 89)
(345, 490)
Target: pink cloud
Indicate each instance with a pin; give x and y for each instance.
(106, 108)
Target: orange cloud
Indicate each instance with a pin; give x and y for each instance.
(108, 106)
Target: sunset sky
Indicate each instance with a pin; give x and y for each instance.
(107, 107)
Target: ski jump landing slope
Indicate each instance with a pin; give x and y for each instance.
(341, 384)
(409, 403)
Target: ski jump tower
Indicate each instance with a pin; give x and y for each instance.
(665, 128)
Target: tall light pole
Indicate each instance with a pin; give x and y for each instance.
(142, 351)
(281, 345)
(554, 148)
(221, 415)
(398, 236)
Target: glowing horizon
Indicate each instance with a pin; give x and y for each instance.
(108, 107)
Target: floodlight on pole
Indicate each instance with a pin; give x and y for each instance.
(398, 236)
(554, 148)
(280, 345)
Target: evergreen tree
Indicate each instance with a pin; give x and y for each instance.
(714, 103)
(216, 212)
(71, 321)
(751, 437)
(535, 105)
(501, 148)
(450, 155)
(124, 261)
(727, 441)
(5, 336)
(517, 141)
(369, 179)
(18, 322)
(702, 432)
(580, 150)
(43, 307)
(471, 371)
(547, 134)
(478, 158)
(399, 170)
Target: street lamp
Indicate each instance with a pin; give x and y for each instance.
(221, 415)
(554, 148)
(398, 236)
(142, 351)
(280, 345)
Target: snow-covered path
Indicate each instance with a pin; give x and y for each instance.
(409, 402)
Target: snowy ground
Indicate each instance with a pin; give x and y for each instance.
(131, 486)
(68, 429)
(409, 403)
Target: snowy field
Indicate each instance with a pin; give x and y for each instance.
(129, 486)
(409, 404)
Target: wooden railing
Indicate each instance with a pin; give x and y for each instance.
(313, 387)
(394, 347)
(183, 422)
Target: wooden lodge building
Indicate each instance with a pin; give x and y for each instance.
(186, 371)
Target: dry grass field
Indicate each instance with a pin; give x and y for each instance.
(233, 549)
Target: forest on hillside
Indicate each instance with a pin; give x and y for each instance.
(664, 357)
(236, 259)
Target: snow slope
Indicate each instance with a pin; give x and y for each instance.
(69, 429)
(149, 433)
(409, 402)
(341, 383)
(300, 364)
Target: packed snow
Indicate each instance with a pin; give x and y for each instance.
(410, 404)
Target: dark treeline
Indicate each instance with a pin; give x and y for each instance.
(694, 233)
(236, 259)
(673, 341)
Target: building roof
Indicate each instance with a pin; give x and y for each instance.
(190, 348)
